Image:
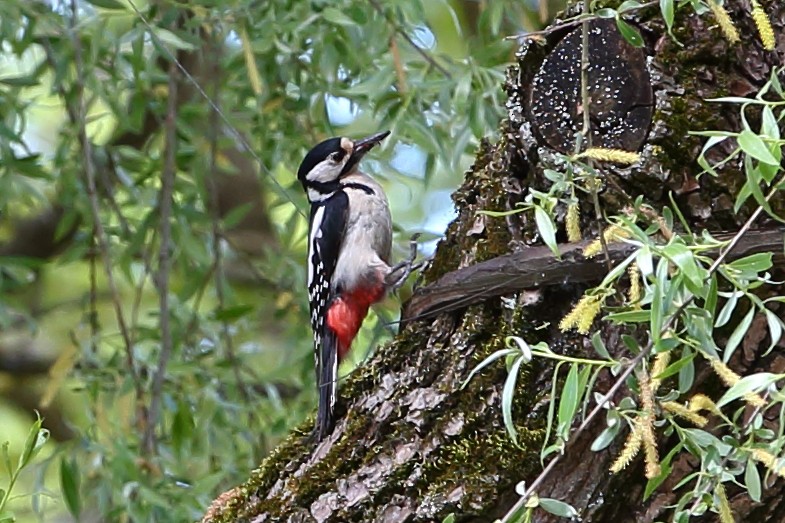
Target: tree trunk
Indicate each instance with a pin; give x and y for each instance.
(412, 443)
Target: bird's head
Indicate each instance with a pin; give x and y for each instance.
(324, 165)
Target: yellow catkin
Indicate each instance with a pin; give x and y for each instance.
(647, 429)
(661, 361)
(631, 448)
(724, 510)
(769, 460)
(683, 412)
(725, 22)
(755, 400)
(730, 379)
(650, 448)
(582, 315)
(634, 294)
(610, 155)
(587, 318)
(614, 233)
(701, 402)
(763, 24)
(593, 249)
(573, 223)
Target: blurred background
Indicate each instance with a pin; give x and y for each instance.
(166, 370)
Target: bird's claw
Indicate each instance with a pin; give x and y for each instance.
(398, 274)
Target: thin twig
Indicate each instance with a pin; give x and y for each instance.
(108, 197)
(399, 72)
(586, 131)
(79, 116)
(570, 22)
(95, 327)
(398, 29)
(217, 232)
(164, 257)
(199, 89)
(640, 357)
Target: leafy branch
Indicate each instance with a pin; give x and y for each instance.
(34, 443)
(690, 282)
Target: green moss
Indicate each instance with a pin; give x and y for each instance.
(681, 121)
(264, 477)
(483, 190)
(483, 465)
(482, 459)
(459, 462)
(499, 455)
(342, 458)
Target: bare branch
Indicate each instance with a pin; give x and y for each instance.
(220, 274)
(80, 115)
(164, 257)
(537, 267)
(398, 29)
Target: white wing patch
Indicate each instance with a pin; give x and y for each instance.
(318, 284)
(316, 232)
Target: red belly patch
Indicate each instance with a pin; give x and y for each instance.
(347, 312)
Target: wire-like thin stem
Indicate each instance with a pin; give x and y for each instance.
(217, 232)
(199, 89)
(586, 130)
(570, 22)
(398, 29)
(79, 117)
(164, 258)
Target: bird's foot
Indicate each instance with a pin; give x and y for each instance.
(398, 273)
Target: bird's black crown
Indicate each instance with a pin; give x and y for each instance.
(318, 154)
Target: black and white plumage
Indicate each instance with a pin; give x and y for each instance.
(349, 244)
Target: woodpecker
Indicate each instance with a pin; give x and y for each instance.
(349, 245)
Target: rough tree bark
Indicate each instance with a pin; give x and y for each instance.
(411, 444)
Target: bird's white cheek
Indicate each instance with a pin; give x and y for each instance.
(325, 172)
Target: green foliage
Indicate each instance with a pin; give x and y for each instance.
(688, 293)
(519, 352)
(627, 31)
(543, 206)
(35, 441)
(181, 343)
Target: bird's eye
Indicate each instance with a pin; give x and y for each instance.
(335, 157)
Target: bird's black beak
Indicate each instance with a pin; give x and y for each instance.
(366, 144)
(361, 147)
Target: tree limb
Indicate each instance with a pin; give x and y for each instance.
(537, 267)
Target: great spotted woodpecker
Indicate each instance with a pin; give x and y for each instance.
(349, 244)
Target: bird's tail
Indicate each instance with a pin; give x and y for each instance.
(327, 381)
